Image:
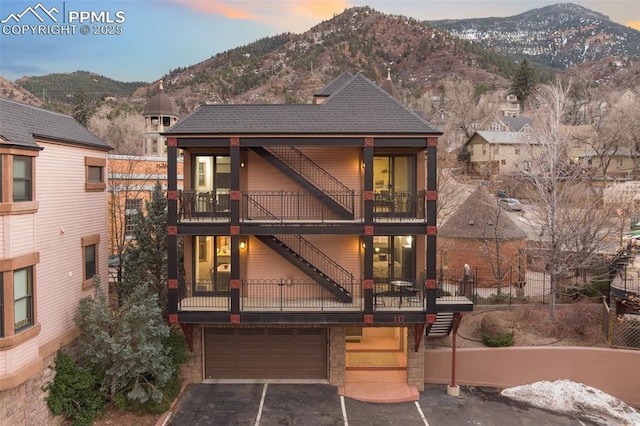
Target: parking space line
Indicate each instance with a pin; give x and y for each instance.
(424, 419)
(344, 411)
(264, 395)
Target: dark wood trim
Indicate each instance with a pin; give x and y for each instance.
(324, 318)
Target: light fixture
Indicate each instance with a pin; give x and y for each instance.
(242, 245)
(364, 245)
(242, 164)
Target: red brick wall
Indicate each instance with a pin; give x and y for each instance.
(454, 253)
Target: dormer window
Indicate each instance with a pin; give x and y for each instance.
(154, 120)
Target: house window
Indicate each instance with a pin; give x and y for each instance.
(89, 259)
(94, 179)
(503, 162)
(23, 298)
(619, 163)
(496, 149)
(133, 207)
(212, 181)
(484, 149)
(517, 148)
(527, 166)
(212, 264)
(495, 127)
(394, 258)
(22, 178)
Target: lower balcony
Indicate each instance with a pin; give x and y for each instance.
(286, 295)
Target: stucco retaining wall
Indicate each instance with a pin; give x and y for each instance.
(614, 371)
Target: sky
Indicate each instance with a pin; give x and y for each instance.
(141, 40)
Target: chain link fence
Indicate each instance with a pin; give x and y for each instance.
(621, 331)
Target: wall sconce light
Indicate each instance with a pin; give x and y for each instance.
(242, 164)
(243, 245)
(364, 245)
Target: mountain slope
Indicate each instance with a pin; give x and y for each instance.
(62, 87)
(290, 67)
(559, 36)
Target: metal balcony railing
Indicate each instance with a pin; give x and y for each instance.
(280, 206)
(290, 295)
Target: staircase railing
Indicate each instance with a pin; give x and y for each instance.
(316, 258)
(315, 174)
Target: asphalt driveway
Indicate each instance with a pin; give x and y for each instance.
(319, 405)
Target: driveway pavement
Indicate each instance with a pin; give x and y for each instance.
(276, 404)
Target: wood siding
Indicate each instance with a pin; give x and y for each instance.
(66, 213)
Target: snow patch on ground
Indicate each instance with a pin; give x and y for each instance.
(569, 397)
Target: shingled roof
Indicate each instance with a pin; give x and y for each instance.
(20, 124)
(357, 107)
(479, 217)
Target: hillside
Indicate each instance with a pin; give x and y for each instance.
(14, 92)
(290, 67)
(559, 36)
(62, 87)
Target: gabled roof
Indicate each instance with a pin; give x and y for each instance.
(612, 152)
(479, 217)
(21, 123)
(356, 107)
(335, 84)
(517, 124)
(503, 138)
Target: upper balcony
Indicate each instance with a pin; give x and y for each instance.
(298, 207)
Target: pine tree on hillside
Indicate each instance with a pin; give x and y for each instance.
(81, 109)
(524, 82)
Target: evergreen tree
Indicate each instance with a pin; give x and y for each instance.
(81, 109)
(146, 259)
(128, 347)
(524, 82)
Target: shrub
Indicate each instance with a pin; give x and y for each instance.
(75, 392)
(502, 340)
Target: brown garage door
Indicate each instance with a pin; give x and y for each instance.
(271, 353)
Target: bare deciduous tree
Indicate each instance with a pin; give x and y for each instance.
(124, 133)
(465, 110)
(573, 226)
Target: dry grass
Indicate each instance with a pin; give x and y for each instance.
(577, 324)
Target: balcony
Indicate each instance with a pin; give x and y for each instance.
(293, 206)
(287, 295)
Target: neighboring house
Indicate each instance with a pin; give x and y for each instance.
(132, 178)
(621, 164)
(510, 106)
(54, 241)
(483, 236)
(305, 231)
(493, 153)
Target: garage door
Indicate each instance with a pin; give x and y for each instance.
(271, 353)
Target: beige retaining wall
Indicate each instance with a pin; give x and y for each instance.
(614, 371)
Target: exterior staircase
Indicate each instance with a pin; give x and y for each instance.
(310, 260)
(442, 326)
(337, 197)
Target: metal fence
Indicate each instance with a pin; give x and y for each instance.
(621, 331)
(526, 287)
